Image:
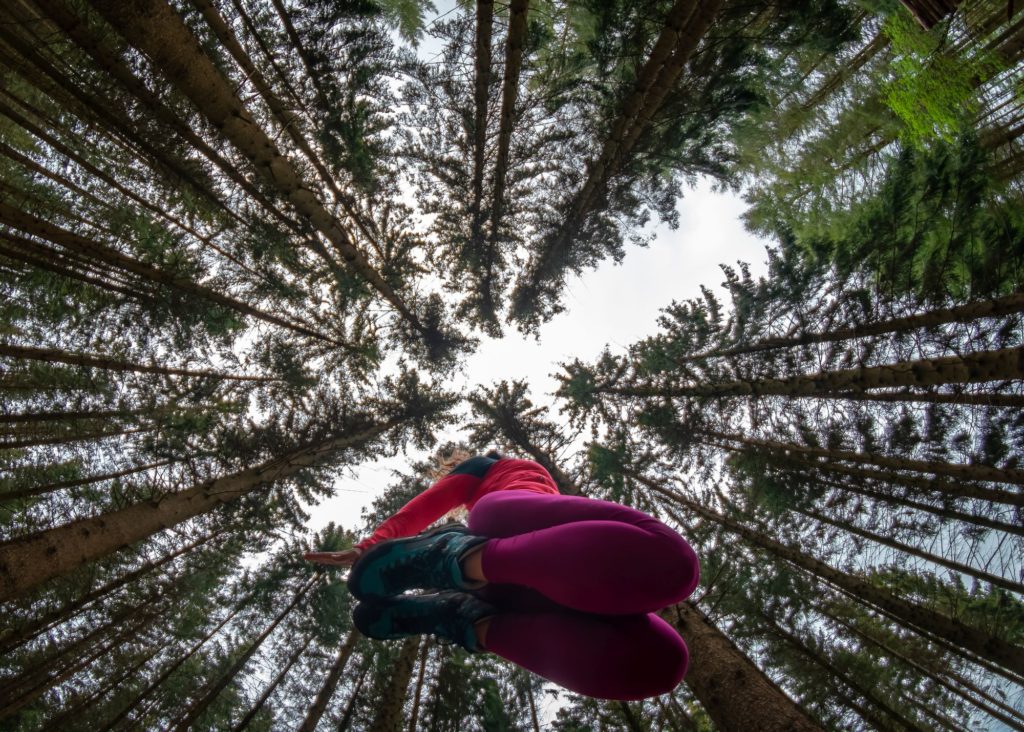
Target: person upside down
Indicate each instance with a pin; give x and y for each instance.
(566, 587)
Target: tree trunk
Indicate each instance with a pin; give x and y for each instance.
(26, 697)
(941, 512)
(992, 579)
(323, 697)
(156, 30)
(62, 721)
(233, 670)
(90, 108)
(171, 668)
(936, 467)
(99, 361)
(509, 94)
(914, 616)
(40, 440)
(389, 713)
(481, 93)
(28, 252)
(107, 179)
(1013, 401)
(292, 660)
(822, 661)
(288, 120)
(533, 710)
(921, 485)
(414, 716)
(632, 723)
(994, 308)
(68, 416)
(12, 638)
(42, 489)
(28, 562)
(734, 692)
(107, 59)
(685, 25)
(1005, 364)
(1013, 722)
(346, 718)
(84, 247)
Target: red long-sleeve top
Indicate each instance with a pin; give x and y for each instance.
(465, 485)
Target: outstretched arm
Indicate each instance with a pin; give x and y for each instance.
(452, 490)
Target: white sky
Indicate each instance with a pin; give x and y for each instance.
(613, 305)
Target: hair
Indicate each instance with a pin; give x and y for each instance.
(445, 460)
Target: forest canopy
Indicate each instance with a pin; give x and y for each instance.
(248, 246)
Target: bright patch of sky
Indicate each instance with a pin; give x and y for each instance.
(614, 306)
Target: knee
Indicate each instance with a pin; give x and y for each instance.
(485, 517)
(666, 661)
(682, 568)
(674, 667)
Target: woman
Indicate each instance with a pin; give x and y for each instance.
(563, 586)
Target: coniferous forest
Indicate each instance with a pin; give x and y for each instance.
(246, 246)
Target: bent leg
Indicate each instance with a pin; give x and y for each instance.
(588, 555)
(623, 657)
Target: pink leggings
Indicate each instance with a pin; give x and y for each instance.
(576, 582)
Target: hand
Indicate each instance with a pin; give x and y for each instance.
(334, 559)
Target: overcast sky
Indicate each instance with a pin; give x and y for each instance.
(613, 305)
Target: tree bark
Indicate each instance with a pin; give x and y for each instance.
(114, 121)
(1004, 364)
(685, 26)
(389, 713)
(509, 94)
(936, 467)
(939, 678)
(155, 29)
(233, 670)
(993, 579)
(62, 721)
(912, 615)
(414, 716)
(107, 179)
(130, 629)
(171, 668)
(350, 707)
(734, 692)
(40, 490)
(323, 697)
(12, 638)
(288, 120)
(94, 250)
(99, 361)
(917, 483)
(993, 308)
(822, 661)
(39, 441)
(1012, 401)
(292, 660)
(481, 93)
(943, 513)
(108, 60)
(28, 562)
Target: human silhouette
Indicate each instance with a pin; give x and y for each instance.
(564, 586)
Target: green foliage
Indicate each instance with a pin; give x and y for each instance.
(933, 92)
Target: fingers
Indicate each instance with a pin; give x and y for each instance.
(337, 559)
